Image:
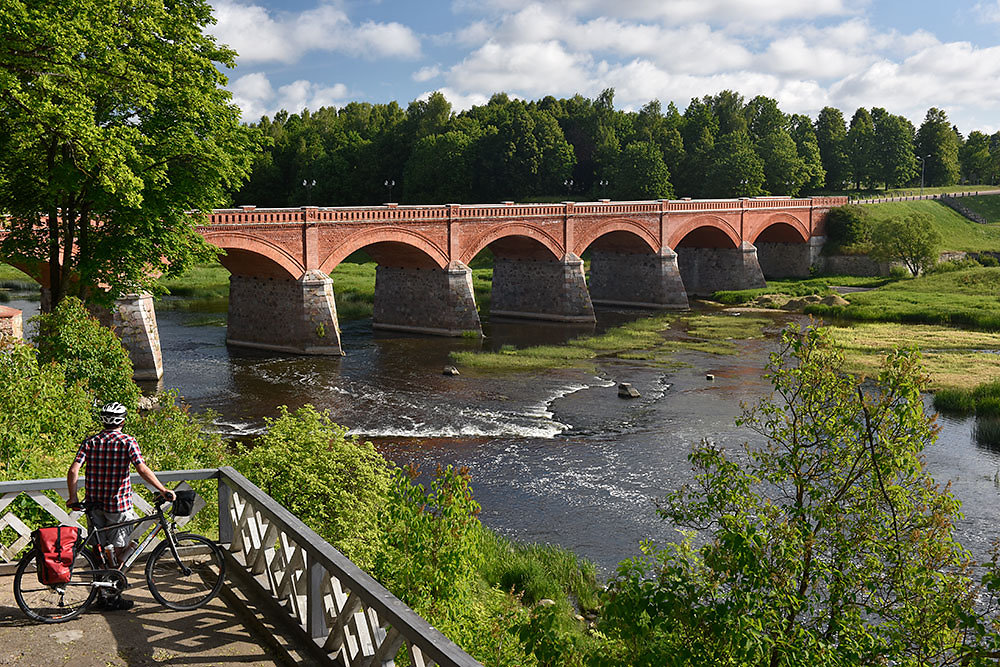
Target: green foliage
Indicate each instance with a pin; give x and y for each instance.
(88, 352)
(642, 173)
(912, 240)
(937, 142)
(431, 555)
(983, 400)
(828, 545)
(117, 120)
(43, 417)
(848, 229)
(337, 485)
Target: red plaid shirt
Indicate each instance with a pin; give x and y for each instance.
(108, 456)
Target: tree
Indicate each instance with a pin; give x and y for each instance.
(974, 158)
(115, 125)
(938, 142)
(641, 173)
(827, 544)
(831, 136)
(894, 159)
(735, 168)
(861, 148)
(912, 240)
(808, 149)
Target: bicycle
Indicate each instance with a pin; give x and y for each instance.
(184, 571)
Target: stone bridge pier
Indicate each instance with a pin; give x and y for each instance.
(635, 278)
(708, 269)
(426, 300)
(284, 315)
(541, 289)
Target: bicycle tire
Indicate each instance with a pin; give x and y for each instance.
(48, 604)
(172, 586)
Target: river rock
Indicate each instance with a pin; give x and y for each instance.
(450, 370)
(709, 377)
(147, 403)
(626, 390)
(835, 300)
(795, 304)
(545, 602)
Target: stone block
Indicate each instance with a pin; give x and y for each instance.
(11, 322)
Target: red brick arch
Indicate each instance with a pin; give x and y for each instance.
(250, 244)
(516, 229)
(399, 235)
(678, 233)
(618, 225)
(786, 220)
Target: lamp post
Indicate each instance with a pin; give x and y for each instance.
(569, 186)
(923, 161)
(309, 185)
(604, 187)
(389, 184)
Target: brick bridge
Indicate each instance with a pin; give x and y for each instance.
(650, 254)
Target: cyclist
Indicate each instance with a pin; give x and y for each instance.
(108, 456)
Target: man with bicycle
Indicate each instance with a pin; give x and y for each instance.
(108, 456)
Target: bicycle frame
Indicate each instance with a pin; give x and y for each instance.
(93, 538)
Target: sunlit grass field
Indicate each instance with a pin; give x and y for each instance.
(987, 206)
(969, 298)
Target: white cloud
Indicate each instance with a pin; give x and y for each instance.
(256, 97)
(426, 73)
(459, 102)
(259, 36)
(988, 12)
(533, 69)
(680, 11)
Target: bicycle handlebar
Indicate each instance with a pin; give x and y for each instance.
(159, 501)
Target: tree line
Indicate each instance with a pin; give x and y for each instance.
(510, 149)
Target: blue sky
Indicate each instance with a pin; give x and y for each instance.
(904, 56)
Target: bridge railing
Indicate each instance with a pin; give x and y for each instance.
(334, 610)
(437, 213)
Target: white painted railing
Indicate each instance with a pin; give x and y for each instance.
(336, 612)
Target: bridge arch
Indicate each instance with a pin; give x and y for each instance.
(779, 228)
(620, 235)
(249, 255)
(704, 231)
(515, 240)
(389, 246)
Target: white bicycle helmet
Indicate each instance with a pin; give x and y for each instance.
(113, 414)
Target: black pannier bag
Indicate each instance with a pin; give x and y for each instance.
(183, 503)
(55, 549)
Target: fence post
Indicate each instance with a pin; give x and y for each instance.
(225, 518)
(315, 610)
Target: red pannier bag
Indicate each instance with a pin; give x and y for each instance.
(55, 549)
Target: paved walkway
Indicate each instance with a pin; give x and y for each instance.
(148, 634)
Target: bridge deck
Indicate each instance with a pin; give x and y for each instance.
(148, 634)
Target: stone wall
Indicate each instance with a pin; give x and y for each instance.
(853, 265)
(541, 289)
(10, 322)
(297, 316)
(784, 260)
(708, 270)
(644, 280)
(432, 301)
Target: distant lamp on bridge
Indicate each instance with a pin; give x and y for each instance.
(569, 186)
(389, 184)
(604, 187)
(309, 185)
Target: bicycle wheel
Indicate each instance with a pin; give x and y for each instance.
(190, 580)
(55, 604)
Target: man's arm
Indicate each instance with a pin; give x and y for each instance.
(72, 477)
(150, 477)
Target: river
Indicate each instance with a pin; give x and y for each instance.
(555, 456)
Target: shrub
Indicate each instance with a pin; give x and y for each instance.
(43, 418)
(848, 227)
(988, 260)
(338, 485)
(431, 556)
(88, 351)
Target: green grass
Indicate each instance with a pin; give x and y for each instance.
(952, 358)
(11, 278)
(958, 233)
(967, 298)
(983, 400)
(797, 287)
(987, 206)
(654, 339)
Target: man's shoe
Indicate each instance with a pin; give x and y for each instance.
(118, 604)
